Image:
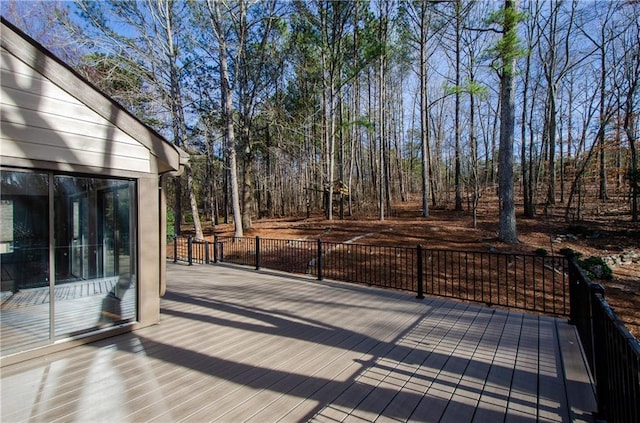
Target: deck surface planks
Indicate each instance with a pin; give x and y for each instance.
(238, 345)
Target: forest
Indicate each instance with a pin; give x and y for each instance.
(351, 108)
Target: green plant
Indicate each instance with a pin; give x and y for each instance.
(541, 252)
(569, 252)
(596, 267)
(170, 223)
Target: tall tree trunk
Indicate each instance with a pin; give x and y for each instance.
(507, 218)
(177, 114)
(383, 174)
(227, 112)
(551, 137)
(458, 188)
(195, 214)
(603, 194)
(247, 196)
(474, 154)
(529, 210)
(632, 74)
(341, 154)
(424, 111)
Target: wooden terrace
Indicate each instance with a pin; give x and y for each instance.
(238, 345)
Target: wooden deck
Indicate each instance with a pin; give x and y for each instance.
(237, 345)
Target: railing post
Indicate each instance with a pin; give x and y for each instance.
(577, 313)
(190, 250)
(257, 253)
(600, 359)
(206, 252)
(319, 260)
(215, 248)
(175, 249)
(420, 275)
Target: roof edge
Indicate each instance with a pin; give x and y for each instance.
(25, 48)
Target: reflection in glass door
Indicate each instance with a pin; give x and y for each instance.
(93, 265)
(24, 259)
(67, 256)
(79, 254)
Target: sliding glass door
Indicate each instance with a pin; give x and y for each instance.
(93, 247)
(68, 256)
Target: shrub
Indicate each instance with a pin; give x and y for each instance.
(541, 252)
(597, 268)
(579, 230)
(170, 223)
(569, 252)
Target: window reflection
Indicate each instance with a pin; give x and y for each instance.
(24, 259)
(94, 276)
(93, 218)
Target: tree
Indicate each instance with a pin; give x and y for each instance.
(220, 32)
(529, 171)
(508, 49)
(630, 95)
(309, 99)
(121, 80)
(477, 91)
(327, 24)
(420, 27)
(555, 57)
(44, 21)
(148, 36)
(607, 32)
(457, 158)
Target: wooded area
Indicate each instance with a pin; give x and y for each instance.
(349, 107)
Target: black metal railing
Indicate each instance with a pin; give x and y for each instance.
(374, 265)
(613, 354)
(551, 285)
(520, 281)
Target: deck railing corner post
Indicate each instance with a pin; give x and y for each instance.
(215, 248)
(573, 294)
(190, 250)
(319, 259)
(257, 253)
(206, 252)
(175, 248)
(419, 271)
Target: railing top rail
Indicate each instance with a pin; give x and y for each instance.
(632, 341)
(287, 240)
(424, 249)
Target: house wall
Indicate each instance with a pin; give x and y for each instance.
(149, 252)
(42, 122)
(51, 120)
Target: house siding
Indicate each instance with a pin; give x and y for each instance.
(42, 122)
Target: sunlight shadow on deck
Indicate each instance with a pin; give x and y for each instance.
(236, 345)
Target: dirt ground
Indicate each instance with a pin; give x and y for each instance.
(607, 236)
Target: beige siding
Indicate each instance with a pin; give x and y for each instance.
(149, 253)
(42, 122)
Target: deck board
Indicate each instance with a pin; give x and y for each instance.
(238, 345)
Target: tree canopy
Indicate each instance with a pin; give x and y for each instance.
(352, 107)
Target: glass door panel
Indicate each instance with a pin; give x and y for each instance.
(24, 260)
(92, 276)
